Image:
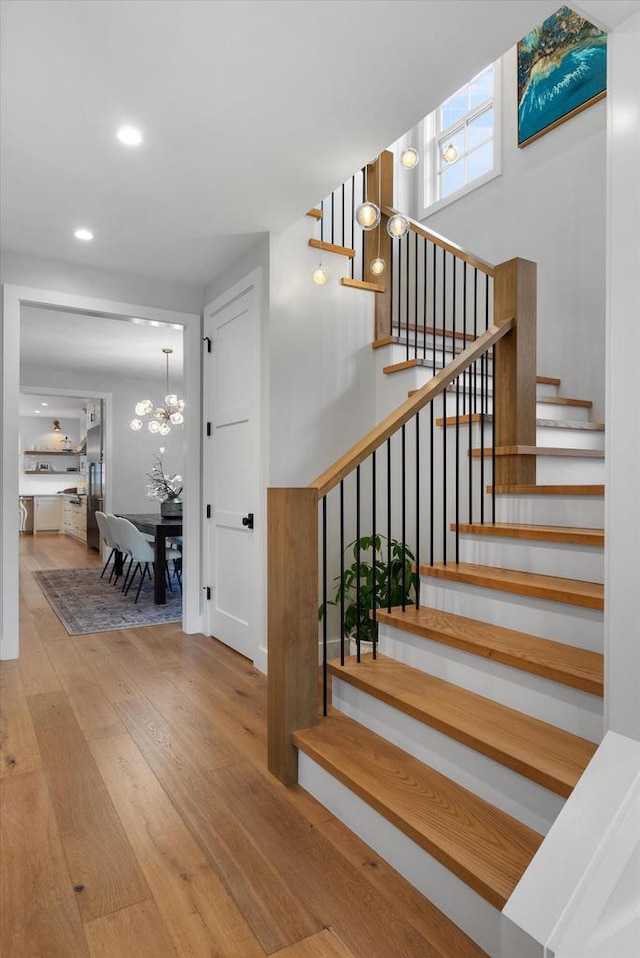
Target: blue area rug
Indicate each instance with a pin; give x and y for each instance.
(86, 603)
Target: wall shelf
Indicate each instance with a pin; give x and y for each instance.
(51, 472)
(50, 452)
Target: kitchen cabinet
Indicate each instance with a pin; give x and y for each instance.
(47, 513)
(74, 517)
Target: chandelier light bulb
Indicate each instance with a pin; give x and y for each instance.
(176, 418)
(154, 426)
(397, 226)
(409, 158)
(450, 153)
(129, 135)
(171, 399)
(135, 424)
(368, 216)
(320, 275)
(144, 407)
(164, 429)
(180, 404)
(377, 266)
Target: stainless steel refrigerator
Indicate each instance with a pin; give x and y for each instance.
(95, 484)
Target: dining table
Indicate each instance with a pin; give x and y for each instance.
(161, 528)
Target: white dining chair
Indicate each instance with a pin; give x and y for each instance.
(140, 551)
(105, 531)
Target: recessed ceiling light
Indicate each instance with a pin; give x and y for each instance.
(83, 234)
(129, 135)
(44, 403)
(37, 412)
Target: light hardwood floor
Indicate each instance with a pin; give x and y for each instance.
(138, 819)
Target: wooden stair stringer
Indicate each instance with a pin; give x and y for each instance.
(483, 846)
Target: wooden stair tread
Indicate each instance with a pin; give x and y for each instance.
(315, 213)
(547, 423)
(412, 364)
(567, 664)
(550, 490)
(539, 451)
(548, 380)
(483, 846)
(521, 530)
(564, 401)
(589, 595)
(541, 752)
(332, 248)
(459, 334)
(362, 284)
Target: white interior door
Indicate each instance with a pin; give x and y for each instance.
(232, 469)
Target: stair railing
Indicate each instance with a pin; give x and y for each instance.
(379, 490)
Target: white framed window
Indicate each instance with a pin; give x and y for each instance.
(461, 141)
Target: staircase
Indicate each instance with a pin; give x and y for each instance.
(453, 751)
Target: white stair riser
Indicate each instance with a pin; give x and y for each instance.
(570, 438)
(575, 511)
(533, 555)
(397, 353)
(545, 410)
(477, 918)
(546, 436)
(569, 470)
(568, 708)
(560, 621)
(514, 794)
(547, 389)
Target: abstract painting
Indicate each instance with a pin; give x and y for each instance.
(562, 69)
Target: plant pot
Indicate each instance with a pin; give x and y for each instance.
(366, 648)
(171, 508)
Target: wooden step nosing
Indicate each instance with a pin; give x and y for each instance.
(498, 753)
(559, 451)
(562, 673)
(565, 401)
(538, 533)
(315, 213)
(562, 590)
(594, 490)
(362, 284)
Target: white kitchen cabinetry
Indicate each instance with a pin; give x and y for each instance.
(74, 517)
(47, 514)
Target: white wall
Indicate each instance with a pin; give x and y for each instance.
(322, 371)
(132, 452)
(20, 269)
(622, 522)
(548, 205)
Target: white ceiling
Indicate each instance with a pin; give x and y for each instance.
(93, 345)
(57, 407)
(252, 111)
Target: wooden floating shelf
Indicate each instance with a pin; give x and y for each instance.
(51, 472)
(50, 452)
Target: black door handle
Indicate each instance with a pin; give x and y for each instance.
(248, 521)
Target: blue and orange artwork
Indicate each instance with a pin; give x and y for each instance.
(562, 69)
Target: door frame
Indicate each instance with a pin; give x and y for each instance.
(13, 298)
(252, 279)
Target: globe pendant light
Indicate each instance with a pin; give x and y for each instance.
(450, 153)
(320, 275)
(409, 158)
(377, 266)
(397, 226)
(367, 214)
(162, 417)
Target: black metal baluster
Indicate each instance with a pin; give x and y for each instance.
(415, 295)
(417, 420)
(324, 606)
(353, 224)
(470, 415)
(357, 557)
(444, 306)
(482, 387)
(404, 520)
(458, 469)
(465, 376)
(389, 524)
(431, 543)
(444, 478)
(433, 320)
(333, 196)
(399, 286)
(374, 586)
(407, 286)
(475, 332)
(342, 572)
(322, 221)
(342, 233)
(424, 300)
(493, 445)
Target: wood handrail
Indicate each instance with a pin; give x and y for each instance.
(325, 482)
(443, 243)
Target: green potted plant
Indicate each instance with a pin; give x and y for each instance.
(371, 580)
